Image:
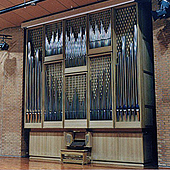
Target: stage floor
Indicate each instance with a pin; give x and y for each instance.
(24, 164)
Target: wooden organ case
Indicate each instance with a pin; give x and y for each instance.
(92, 72)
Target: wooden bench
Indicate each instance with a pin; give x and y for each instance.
(75, 156)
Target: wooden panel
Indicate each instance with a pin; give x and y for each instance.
(145, 64)
(36, 13)
(147, 148)
(47, 144)
(13, 18)
(131, 148)
(53, 58)
(84, 2)
(5, 4)
(148, 90)
(10, 3)
(117, 147)
(149, 117)
(69, 3)
(52, 124)
(24, 14)
(147, 57)
(114, 62)
(78, 11)
(145, 26)
(120, 164)
(128, 125)
(101, 124)
(107, 147)
(100, 50)
(48, 159)
(75, 123)
(102, 144)
(76, 69)
(33, 125)
(52, 6)
(100, 55)
(6, 23)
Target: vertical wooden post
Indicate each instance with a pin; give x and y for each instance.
(140, 68)
(63, 97)
(114, 62)
(26, 76)
(43, 79)
(88, 71)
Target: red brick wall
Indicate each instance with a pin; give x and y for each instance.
(161, 39)
(12, 141)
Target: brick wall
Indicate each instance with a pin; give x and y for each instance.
(161, 39)
(12, 139)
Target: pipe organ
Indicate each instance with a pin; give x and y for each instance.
(92, 72)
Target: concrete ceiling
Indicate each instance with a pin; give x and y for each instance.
(47, 7)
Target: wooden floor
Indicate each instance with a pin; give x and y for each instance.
(24, 163)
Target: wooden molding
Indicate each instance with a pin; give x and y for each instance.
(95, 130)
(79, 123)
(52, 124)
(33, 125)
(100, 50)
(128, 124)
(53, 58)
(120, 164)
(101, 124)
(76, 70)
